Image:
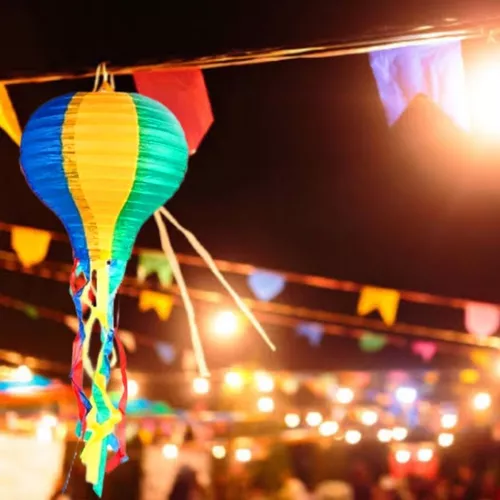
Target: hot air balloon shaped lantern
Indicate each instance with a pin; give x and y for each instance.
(104, 162)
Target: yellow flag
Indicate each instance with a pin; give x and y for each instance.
(383, 300)
(31, 245)
(8, 118)
(159, 302)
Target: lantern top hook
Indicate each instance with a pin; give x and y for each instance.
(104, 80)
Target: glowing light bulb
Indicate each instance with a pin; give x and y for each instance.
(44, 434)
(292, 420)
(424, 455)
(328, 428)
(23, 374)
(264, 382)
(353, 437)
(265, 405)
(233, 380)
(446, 439)
(449, 420)
(482, 401)
(225, 324)
(219, 452)
(384, 435)
(399, 433)
(369, 417)
(201, 385)
(133, 388)
(344, 395)
(406, 395)
(402, 456)
(243, 455)
(170, 451)
(314, 419)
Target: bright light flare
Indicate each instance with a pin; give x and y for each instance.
(225, 324)
(243, 455)
(264, 382)
(369, 418)
(219, 452)
(402, 456)
(170, 451)
(314, 419)
(353, 437)
(234, 380)
(23, 374)
(344, 395)
(399, 433)
(265, 405)
(446, 439)
(133, 388)
(292, 420)
(449, 420)
(424, 455)
(481, 401)
(384, 435)
(406, 395)
(328, 428)
(201, 385)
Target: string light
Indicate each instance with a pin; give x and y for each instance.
(292, 420)
(369, 417)
(406, 395)
(314, 419)
(328, 428)
(170, 451)
(233, 380)
(481, 401)
(344, 395)
(384, 435)
(402, 456)
(424, 455)
(399, 433)
(264, 382)
(265, 405)
(449, 420)
(446, 439)
(23, 374)
(243, 455)
(219, 452)
(201, 385)
(132, 388)
(353, 437)
(225, 324)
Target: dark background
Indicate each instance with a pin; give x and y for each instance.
(299, 171)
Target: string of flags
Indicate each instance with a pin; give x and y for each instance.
(480, 319)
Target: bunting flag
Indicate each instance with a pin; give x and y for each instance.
(128, 340)
(426, 350)
(31, 311)
(185, 94)
(161, 303)
(154, 263)
(266, 285)
(383, 300)
(31, 245)
(372, 342)
(482, 320)
(435, 70)
(8, 118)
(313, 332)
(480, 358)
(166, 352)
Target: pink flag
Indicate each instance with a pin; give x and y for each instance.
(427, 350)
(481, 320)
(184, 93)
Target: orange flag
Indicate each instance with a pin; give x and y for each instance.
(31, 245)
(383, 300)
(8, 117)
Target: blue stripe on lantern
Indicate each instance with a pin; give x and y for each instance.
(45, 174)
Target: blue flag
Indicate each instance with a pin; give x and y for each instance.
(435, 70)
(266, 285)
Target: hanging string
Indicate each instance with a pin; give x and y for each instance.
(203, 253)
(179, 278)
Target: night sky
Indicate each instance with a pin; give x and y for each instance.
(299, 172)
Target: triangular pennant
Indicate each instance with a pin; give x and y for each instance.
(372, 342)
(383, 300)
(184, 93)
(435, 70)
(151, 262)
(313, 332)
(469, 376)
(31, 311)
(425, 349)
(482, 320)
(166, 352)
(266, 285)
(31, 245)
(8, 117)
(161, 303)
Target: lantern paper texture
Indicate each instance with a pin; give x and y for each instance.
(103, 162)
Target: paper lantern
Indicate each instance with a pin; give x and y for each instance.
(103, 162)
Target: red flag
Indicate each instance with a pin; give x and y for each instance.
(185, 94)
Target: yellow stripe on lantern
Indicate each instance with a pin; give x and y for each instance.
(100, 182)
